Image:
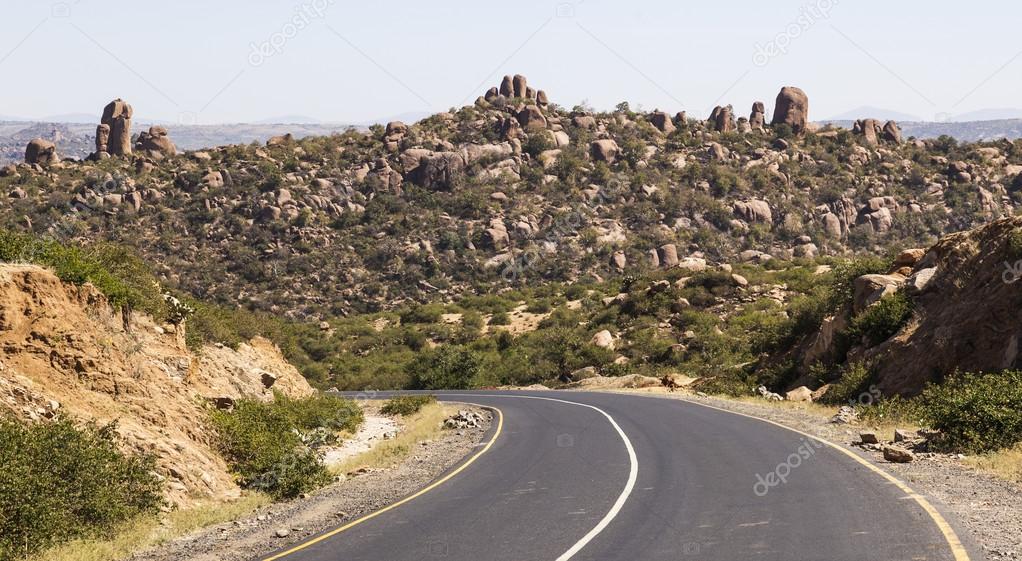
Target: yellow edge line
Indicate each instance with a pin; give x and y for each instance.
(949, 533)
(434, 485)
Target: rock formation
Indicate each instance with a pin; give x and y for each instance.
(507, 88)
(41, 152)
(605, 150)
(869, 130)
(892, 132)
(723, 119)
(520, 85)
(753, 211)
(155, 143)
(103, 139)
(757, 119)
(662, 121)
(117, 115)
(531, 118)
(792, 109)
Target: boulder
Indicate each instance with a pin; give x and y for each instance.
(542, 99)
(662, 121)
(754, 211)
(919, 280)
(768, 395)
(667, 255)
(618, 260)
(800, 393)
(892, 132)
(757, 119)
(603, 339)
(42, 152)
(155, 143)
(869, 130)
(692, 264)
(869, 437)
(531, 118)
(723, 119)
(869, 289)
(520, 86)
(898, 455)
(507, 88)
(909, 257)
(604, 150)
(792, 109)
(436, 170)
(102, 138)
(587, 122)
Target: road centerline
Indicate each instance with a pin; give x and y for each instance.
(633, 471)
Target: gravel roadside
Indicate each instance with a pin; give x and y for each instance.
(279, 525)
(987, 508)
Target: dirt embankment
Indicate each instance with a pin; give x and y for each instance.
(65, 351)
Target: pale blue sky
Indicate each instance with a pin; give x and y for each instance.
(192, 61)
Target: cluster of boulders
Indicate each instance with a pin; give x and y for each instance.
(900, 449)
(872, 132)
(514, 87)
(155, 143)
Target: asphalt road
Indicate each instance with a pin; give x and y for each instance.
(599, 476)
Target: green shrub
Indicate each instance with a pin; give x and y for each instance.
(59, 482)
(500, 318)
(855, 382)
(880, 321)
(272, 446)
(406, 404)
(976, 412)
(447, 367)
(727, 385)
(427, 313)
(891, 410)
(1014, 246)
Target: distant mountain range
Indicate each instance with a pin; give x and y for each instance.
(866, 112)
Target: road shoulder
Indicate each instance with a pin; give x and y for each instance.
(280, 525)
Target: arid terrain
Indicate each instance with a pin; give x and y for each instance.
(189, 301)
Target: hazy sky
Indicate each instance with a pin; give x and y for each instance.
(233, 60)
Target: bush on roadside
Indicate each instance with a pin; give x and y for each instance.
(60, 482)
(976, 412)
(272, 446)
(406, 404)
(852, 387)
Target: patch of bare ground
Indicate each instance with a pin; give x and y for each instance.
(400, 465)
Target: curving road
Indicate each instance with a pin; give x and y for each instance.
(600, 476)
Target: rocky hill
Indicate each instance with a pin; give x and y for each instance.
(78, 140)
(67, 352)
(509, 190)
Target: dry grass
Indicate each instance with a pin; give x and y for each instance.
(424, 425)
(152, 531)
(1006, 464)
